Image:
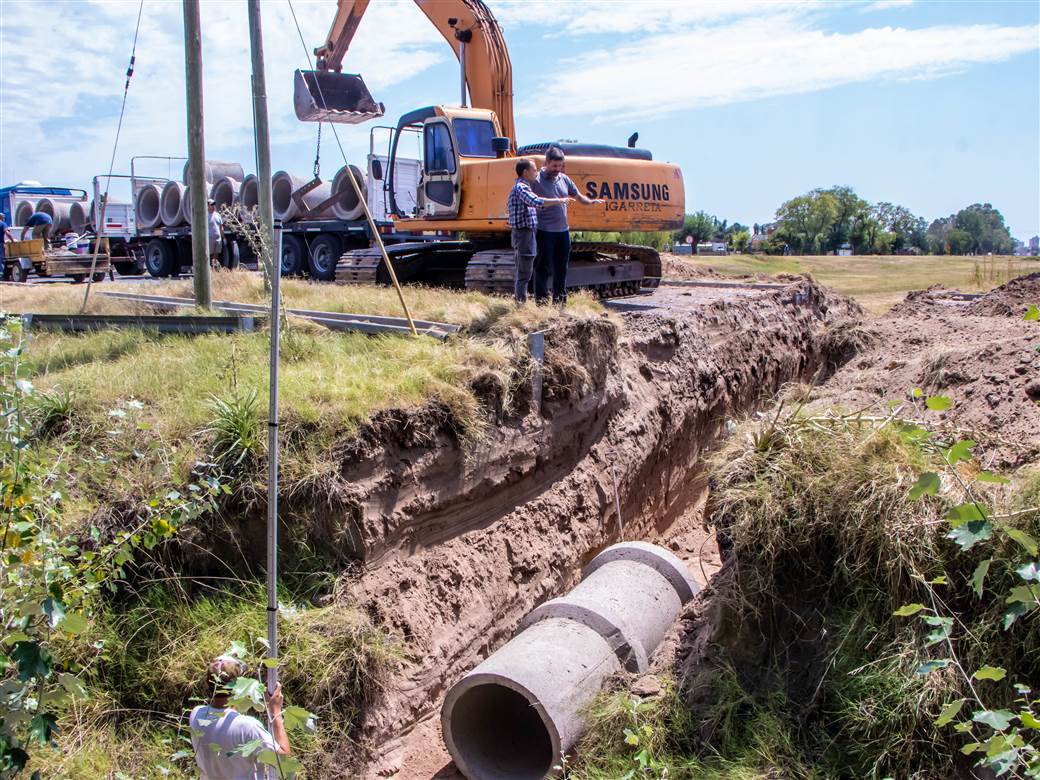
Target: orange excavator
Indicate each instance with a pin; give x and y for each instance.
(467, 168)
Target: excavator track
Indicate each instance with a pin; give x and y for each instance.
(605, 268)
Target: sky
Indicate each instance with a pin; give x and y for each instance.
(932, 105)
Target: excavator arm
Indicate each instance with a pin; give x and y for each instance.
(468, 27)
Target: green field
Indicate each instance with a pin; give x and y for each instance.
(880, 281)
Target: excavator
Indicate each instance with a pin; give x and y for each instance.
(469, 155)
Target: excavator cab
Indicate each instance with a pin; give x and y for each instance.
(327, 96)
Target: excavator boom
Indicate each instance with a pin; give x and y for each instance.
(326, 95)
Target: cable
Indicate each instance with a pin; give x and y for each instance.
(100, 227)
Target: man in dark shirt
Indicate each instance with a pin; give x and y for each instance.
(554, 233)
(41, 225)
(522, 207)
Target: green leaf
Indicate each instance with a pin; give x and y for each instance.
(994, 673)
(927, 485)
(1030, 572)
(949, 712)
(965, 513)
(73, 685)
(42, 727)
(989, 476)
(1025, 540)
(74, 623)
(938, 403)
(943, 627)
(928, 667)
(908, 609)
(296, 717)
(631, 738)
(54, 610)
(33, 660)
(971, 747)
(997, 720)
(1025, 594)
(1014, 612)
(940, 580)
(980, 576)
(1029, 720)
(917, 392)
(969, 534)
(960, 451)
(1032, 312)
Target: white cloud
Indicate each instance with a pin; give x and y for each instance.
(764, 56)
(59, 109)
(887, 5)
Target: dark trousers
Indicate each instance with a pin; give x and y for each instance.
(554, 253)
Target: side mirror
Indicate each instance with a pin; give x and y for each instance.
(377, 170)
(500, 145)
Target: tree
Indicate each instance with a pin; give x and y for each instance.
(702, 226)
(848, 207)
(805, 220)
(741, 239)
(986, 227)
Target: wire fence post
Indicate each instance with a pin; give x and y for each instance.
(272, 469)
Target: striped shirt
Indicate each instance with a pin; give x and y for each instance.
(522, 205)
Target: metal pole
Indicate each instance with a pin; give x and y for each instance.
(272, 471)
(263, 136)
(196, 153)
(462, 68)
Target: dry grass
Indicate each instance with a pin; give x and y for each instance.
(880, 281)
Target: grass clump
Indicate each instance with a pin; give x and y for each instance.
(148, 664)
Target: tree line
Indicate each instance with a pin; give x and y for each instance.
(823, 221)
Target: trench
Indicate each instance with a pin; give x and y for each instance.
(458, 543)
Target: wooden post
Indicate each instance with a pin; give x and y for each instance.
(263, 138)
(196, 154)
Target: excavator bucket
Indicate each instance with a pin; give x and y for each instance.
(325, 96)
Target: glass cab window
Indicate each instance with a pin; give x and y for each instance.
(439, 154)
(474, 137)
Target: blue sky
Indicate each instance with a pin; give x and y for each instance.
(933, 105)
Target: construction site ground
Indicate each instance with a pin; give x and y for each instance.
(446, 538)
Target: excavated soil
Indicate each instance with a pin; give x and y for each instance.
(459, 542)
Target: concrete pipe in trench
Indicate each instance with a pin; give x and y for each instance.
(225, 191)
(284, 184)
(216, 169)
(146, 206)
(22, 211)
(171, 204)
(58, 211)
(514, 715)
(348, 206)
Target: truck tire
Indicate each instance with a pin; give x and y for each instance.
(160, 258)
(229, 255)
(294, 255)
(127, 267)
(323, 257)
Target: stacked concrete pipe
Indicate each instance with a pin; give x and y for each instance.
(80, 217)
(348, 205)
(249, 195)
(216, 169)
(171, 203)
(147, 206)
(284, 184)
(58, 211)
(518, 712)
(22, 211)
(225, 191)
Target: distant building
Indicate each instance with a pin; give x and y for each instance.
(711, 248)
(1034, 245)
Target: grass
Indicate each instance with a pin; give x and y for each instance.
(880, 281)
(153, 656)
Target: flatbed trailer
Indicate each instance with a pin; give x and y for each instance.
(22, 258)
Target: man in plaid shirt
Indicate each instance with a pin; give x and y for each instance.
(522, 207)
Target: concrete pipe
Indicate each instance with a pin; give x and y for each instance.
(518, 712)
(283, 185)
(22, 211)
(58, 211)
(216, 169)
(348, 206)
(146, 207)
(225, 191)
(186, 206)
(249, 196)
(80, 217)
(170, 204)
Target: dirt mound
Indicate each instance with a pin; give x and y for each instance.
(988, 366)
(676, 267)
(1009, 300)
(922, 300)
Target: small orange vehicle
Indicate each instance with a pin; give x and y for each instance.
(33, 256)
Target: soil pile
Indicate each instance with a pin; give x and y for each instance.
(1009, 300)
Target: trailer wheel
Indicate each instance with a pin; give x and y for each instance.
(16, 273)
(294, 255)
(99, 276)
(324, 255)
(229, 255)
(159, 257)
(127, 267)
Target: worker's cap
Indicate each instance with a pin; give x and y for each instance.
(211, 202)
